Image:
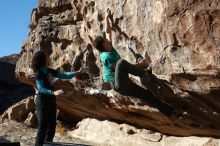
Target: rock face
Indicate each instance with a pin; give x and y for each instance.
(11, 90)
(180, 37)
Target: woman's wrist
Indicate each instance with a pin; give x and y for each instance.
(77, 73)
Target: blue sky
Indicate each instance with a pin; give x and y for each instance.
(15, 17)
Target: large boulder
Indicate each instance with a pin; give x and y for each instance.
(21, 111)
(108, 133)
(180, 37)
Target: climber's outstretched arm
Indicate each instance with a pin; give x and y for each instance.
(108, 27)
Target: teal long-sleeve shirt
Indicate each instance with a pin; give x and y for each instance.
(44, 79)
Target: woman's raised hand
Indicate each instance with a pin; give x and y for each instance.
(58, 92)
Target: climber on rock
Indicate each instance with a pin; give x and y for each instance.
(46, 99)
(116, 71)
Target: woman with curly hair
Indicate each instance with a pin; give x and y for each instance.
(46, 98)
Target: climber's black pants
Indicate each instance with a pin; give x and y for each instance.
(125, 86)
(46, 113)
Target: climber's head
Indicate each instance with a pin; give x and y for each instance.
(102, 44)
(39, 60)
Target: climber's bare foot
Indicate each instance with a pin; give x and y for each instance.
(143, 63)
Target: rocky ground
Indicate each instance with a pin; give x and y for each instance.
(100, 133)
(18, 132)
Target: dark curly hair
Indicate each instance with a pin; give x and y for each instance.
(38, 60)
(98, 43)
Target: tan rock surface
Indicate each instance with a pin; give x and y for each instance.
(107, 133)
(20, 110)
(181, 38)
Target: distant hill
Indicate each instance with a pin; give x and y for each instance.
(11, 90)
(12, 59)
